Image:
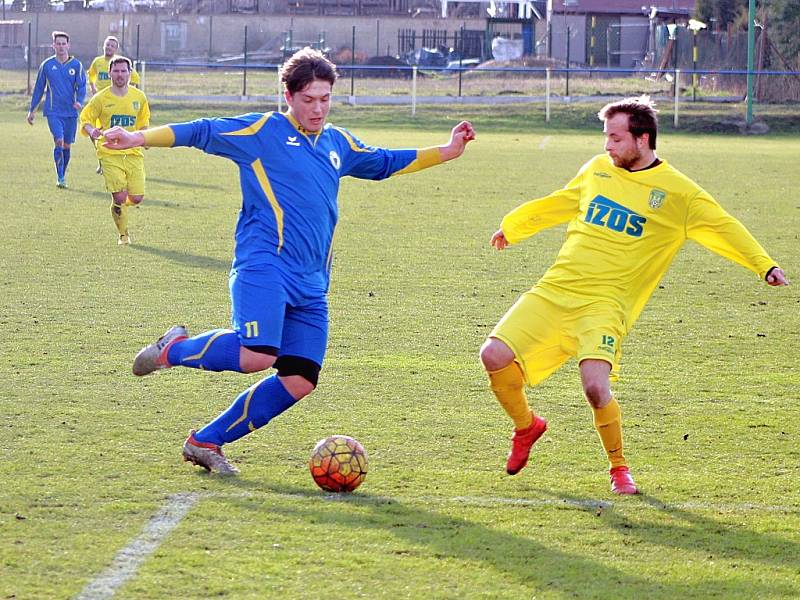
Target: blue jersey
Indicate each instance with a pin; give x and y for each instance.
(290, 181)
(62, 85)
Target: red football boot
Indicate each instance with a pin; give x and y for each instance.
(621, 481)
(521, 443)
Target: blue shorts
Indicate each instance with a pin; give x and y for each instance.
(268, 309)
(63, 128)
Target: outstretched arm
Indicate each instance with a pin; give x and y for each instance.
(370, 162)
(119, 138)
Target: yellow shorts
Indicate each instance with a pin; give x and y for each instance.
(544, 330)
(124, 172)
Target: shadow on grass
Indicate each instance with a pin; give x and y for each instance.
(521, 557)
(189, 184)
(702, 532)
(716, 539)
(106, 196)
(191, 260)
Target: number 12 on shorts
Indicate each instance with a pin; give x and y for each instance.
(251, 329)
(608, 340)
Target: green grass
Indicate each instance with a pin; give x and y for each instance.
(88, 453)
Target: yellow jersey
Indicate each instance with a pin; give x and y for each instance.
(106, 110)
(98, 73)
(625, 229)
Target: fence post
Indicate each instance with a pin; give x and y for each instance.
(280, 90)
(547, 95)
(377, 37)
(677, 96)
(694, 65)
(30, 57)
(138, 25)
(142, 72)
(567, 89)
(460, 60)
(244, 73)
(352, 69)
(210, 36)
(414, 90)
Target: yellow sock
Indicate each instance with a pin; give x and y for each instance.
(608, 422)
(508, 385)
(120, 215)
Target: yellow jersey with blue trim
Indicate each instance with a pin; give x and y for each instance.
(97, 73)
(625, 228)
(289, 179)
(106, 110)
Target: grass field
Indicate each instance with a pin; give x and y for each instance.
(95, 501)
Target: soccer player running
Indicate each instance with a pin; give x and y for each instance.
(290, 166)
(98, 76)
(629, 213)
(62, 82)
(123, 169)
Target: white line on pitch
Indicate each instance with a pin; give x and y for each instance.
(544, 141)
(131, 556)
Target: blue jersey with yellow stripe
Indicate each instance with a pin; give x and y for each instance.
(290, 182)
(62, 85)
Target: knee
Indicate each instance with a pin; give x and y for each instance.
(299, 372)
(495, 354)
(297, 385)
(597, 393)
(136, 199)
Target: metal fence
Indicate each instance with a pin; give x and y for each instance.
(411, 86)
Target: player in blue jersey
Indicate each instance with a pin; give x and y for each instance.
(62, 82)
(289, 166)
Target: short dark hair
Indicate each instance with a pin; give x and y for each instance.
(120, 59)
(57, 34)
(305, 66)
(642, 116)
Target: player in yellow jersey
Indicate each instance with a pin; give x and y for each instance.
(97, 73)
(123, 170)
(629, 213)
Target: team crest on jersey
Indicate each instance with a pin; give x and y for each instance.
(657, 198)
(136, 105)
(335, 160)
(71, 72)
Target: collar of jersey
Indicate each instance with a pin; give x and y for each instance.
(639, 173)
(299, 127)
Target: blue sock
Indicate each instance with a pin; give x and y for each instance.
(65, 154)
(254, 408)
(58, 158)
(215, 350)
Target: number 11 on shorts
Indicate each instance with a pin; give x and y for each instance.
(251, 329)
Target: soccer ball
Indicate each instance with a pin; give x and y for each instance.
(338, 464)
